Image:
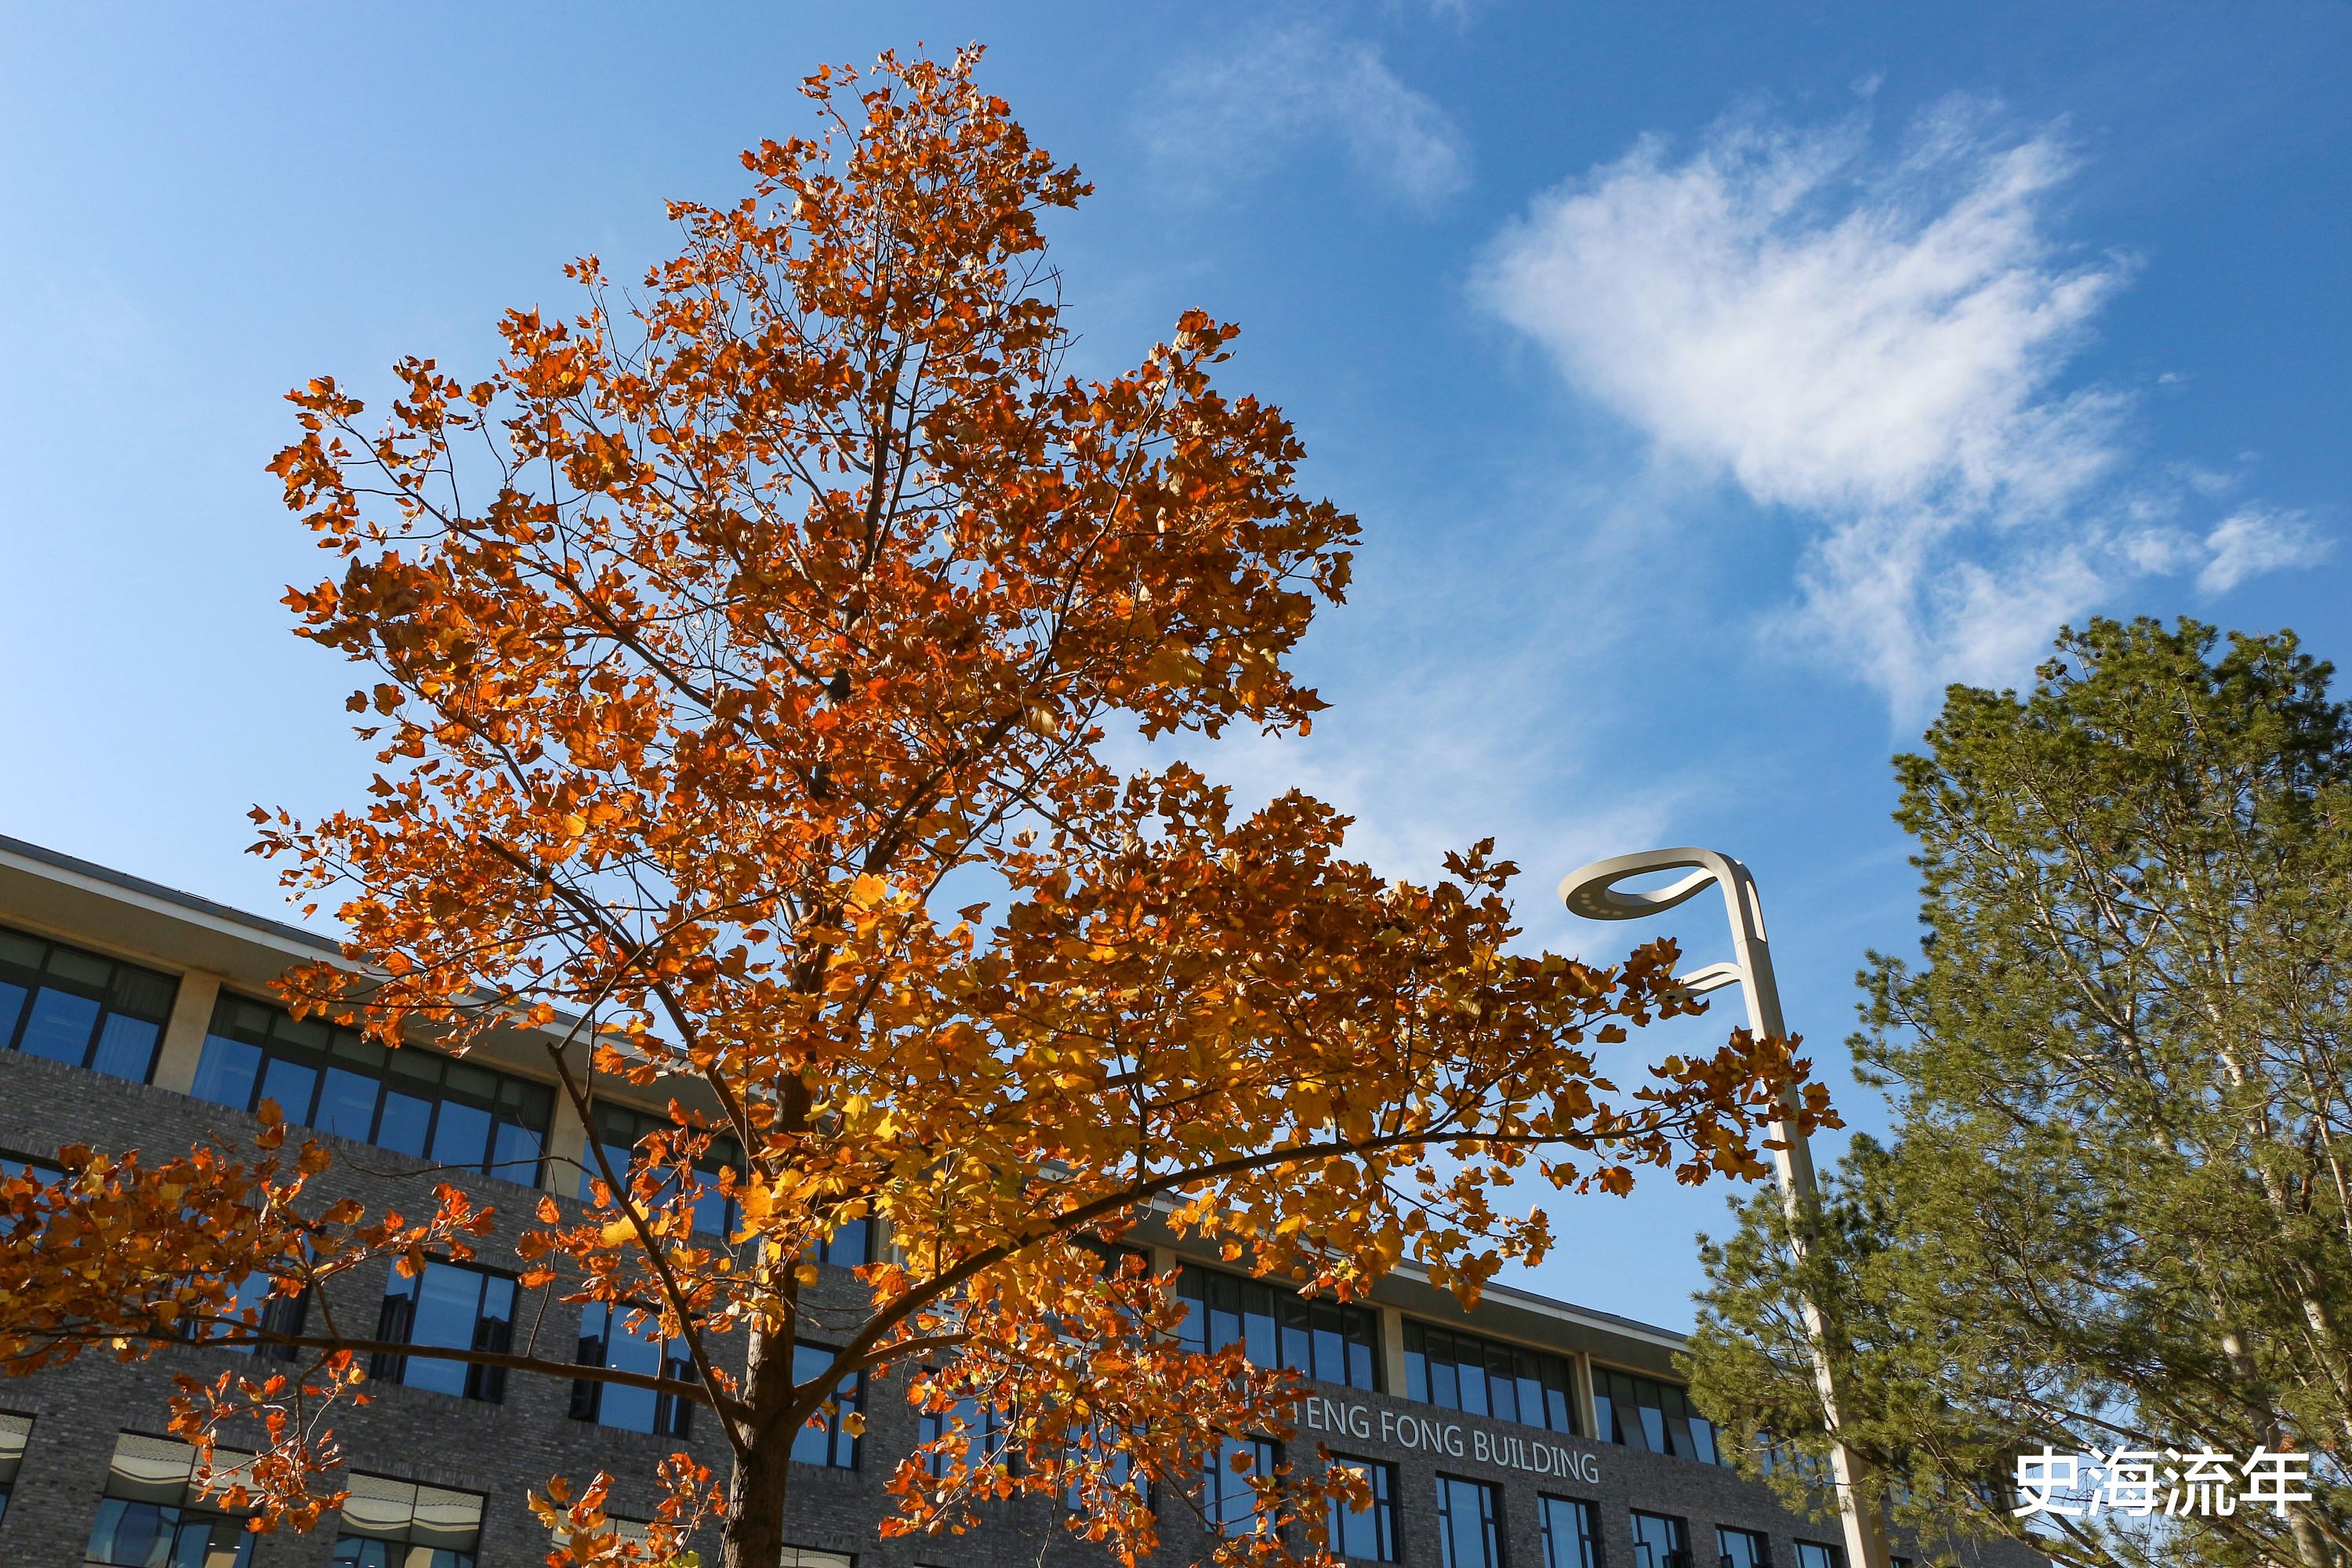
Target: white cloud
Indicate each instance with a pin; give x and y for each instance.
(2254, 541)
(1874, 343)
(1214, 121)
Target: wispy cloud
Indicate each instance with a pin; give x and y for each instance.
(1876, 344)
(1236, 115)
(2247, 543)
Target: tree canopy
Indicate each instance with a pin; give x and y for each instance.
(749, 654)
(2114, 1213)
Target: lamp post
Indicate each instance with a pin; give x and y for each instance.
(1592, 892)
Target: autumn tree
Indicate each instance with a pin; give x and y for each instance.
(748, 654)
(2116, 1211)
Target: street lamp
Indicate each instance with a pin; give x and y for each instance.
(1592, 892)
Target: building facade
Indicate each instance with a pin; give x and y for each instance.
(1530, 1433)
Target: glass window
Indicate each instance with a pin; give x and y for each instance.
(1572, 1535)
(1742, 1548)
(1469, 1533)
(1488, 1377)
(1229, 1504)
(1644, 1413)
(1337, 1342)
(414, 1101)
(1366, 1535)
(968, 1418)
(390, 1523)
(621, 1131)
(454, 1307)
(850, 1246)
(1814, 1554)
(269, 1312)
(16, 1431)
(154, 1512)
(1660, 1541)
(605, 1341)
(79, 1008)
(1119, 1471)
(825, 1439)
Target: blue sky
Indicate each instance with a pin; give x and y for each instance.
(1714, 382)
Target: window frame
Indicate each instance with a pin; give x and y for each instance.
(1288, 1318)
(1588, 1525)
(273, 1314)
(468, 1554)
(1490, 1520)
(848, 1396)
(108, 998)
(1527, 1364)
(1761, 1543)
(1222, 1485)
(1609, 1422)
(1387, 1527)
(673, 1414)
(195, 1504)
(627, 1155)
(513, 1098)
(483, 1385)
(1678, 1550)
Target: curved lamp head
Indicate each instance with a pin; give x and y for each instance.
(1591, 890)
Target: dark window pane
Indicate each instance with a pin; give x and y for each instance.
(1558, 1406)
(141, 992)
(1367, 1535)
(291, 1085)
(1466, 1532)
(126, 1049)
(70, 963)
(1444, 1376)
(1569, 1534)
(517, 1155)
(824, 1442)
(461, 1135)
(848, 1245)
(629, 1408)
(1659, 1541)
(347, 1104)
(1502, 1389)
(1257, 1331)
(448, 1300)
(1529, 1390)
(405, 1119)
(1229, 1504)
(227, 1071)
(1743, 1549)
(58, 1026)
(1331, 1349)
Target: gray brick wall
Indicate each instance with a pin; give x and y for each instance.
(503, 1450)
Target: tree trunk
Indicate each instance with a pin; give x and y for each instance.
(754, 1535)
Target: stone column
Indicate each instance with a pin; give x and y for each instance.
(1391, 1351)
(184, 1032)
(567, 1149)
